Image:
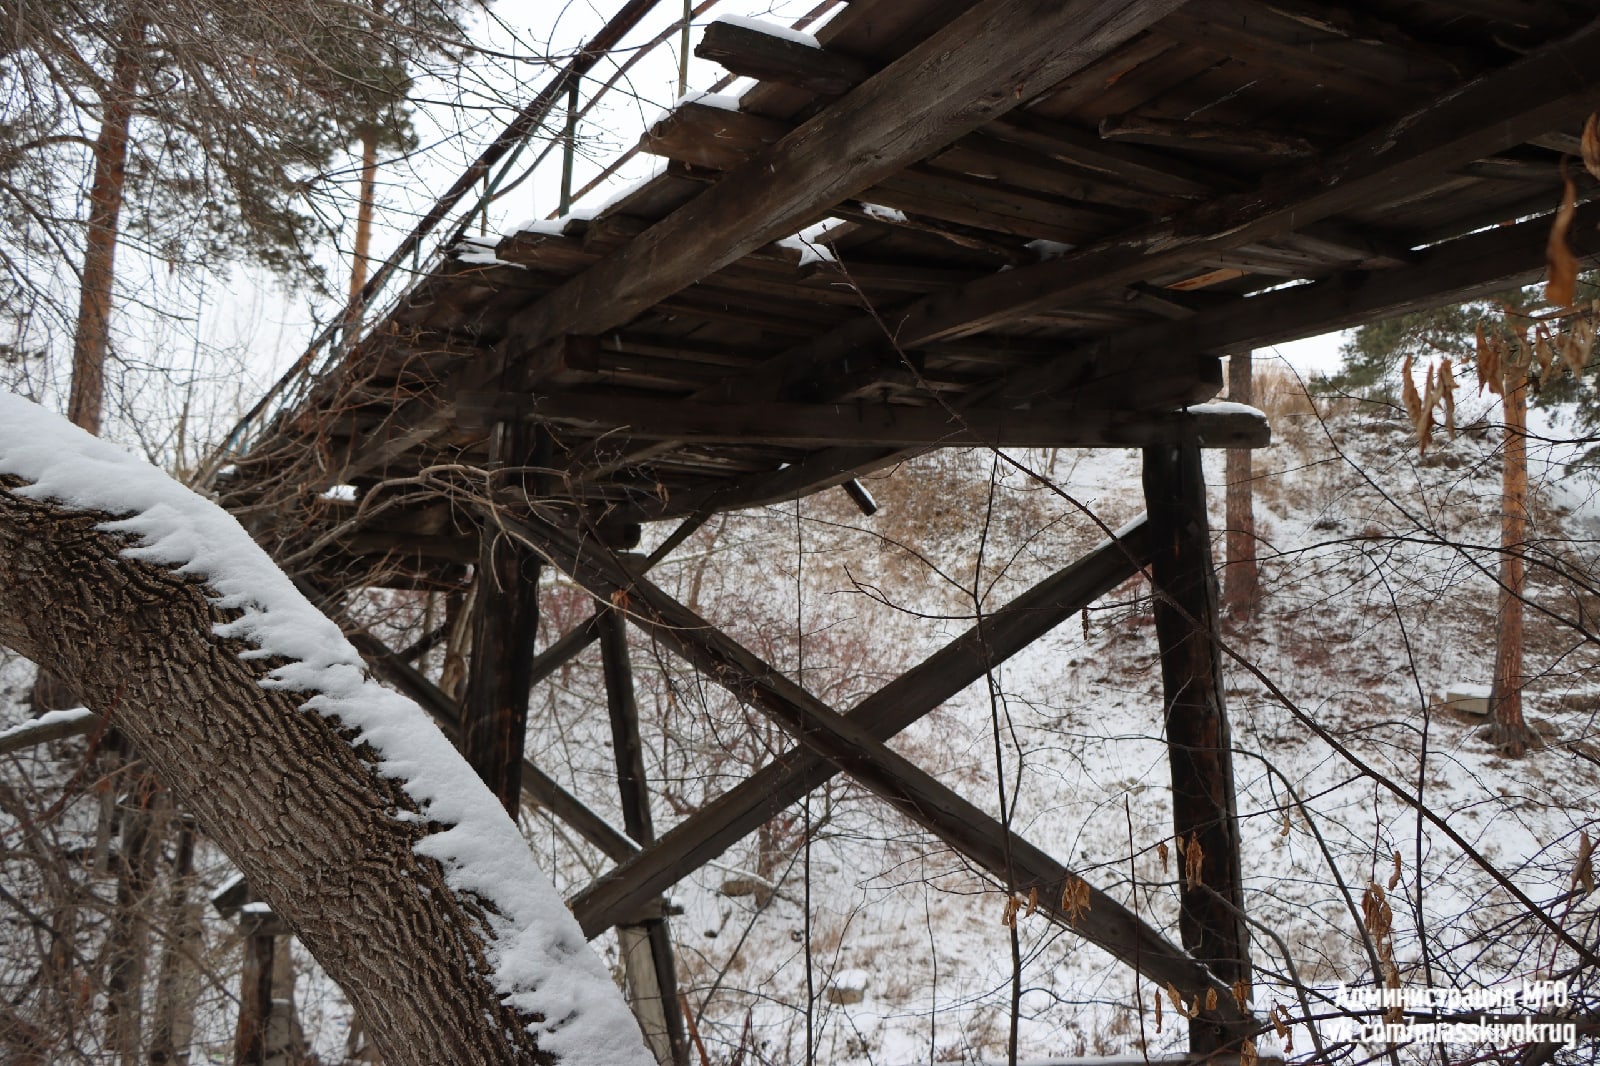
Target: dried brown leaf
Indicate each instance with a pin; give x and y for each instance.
(1562, 288)
(1394, 877)
(1447, 387)
(1492, 372)
(1409, 394)
(1162, 852)
(1583, 866)
(1543, 350)
(1591, 145)
(1241, 994)
(1193, 863)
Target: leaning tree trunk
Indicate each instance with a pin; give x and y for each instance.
(297, 802)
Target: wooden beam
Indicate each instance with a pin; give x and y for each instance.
(1461, 269)
(646, 948)
(494, 718)
(1532, 95)
(750, 53)
(822, 425)
(1199, 744)
(738, 812)
(982, 64)
(849, 745)
(624, 713)
(1189, 136)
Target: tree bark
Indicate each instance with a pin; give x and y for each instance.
(1508, 729)
(369, 181)
(297, 804)
(1241, 576)
(93, 336)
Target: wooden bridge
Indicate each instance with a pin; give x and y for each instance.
(1024, 223)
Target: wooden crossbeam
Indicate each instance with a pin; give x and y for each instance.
(750, 53)
(872, 424)
(735, 814)
(1199, 748)
(850, 746)
(982, 64)
(1489, 114)
(1461, 269)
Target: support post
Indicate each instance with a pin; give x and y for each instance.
(646, 947)
(1199, 747)
(1242, 575)
(850, 745)
(495, 719)
(259, 927)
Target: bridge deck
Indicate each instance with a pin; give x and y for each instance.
(1025, 224)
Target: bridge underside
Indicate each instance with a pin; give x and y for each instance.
(1024, 224)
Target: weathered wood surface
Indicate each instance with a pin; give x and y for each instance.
(874, 424)
(1199, 744)
(651, 971)
(735, 814)
(494, 718)
(971, 71)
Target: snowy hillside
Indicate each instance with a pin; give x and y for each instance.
(1378, 577)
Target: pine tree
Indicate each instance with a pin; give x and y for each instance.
(1498, 335)
(205, 132)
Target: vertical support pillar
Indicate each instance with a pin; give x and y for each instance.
(1198, 742)
(495, 718)
(259, 927)
(646, 946)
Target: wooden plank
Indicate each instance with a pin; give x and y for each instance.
(1490, 114)
(494, 718)
(1458, 270)
(1193, 136)
(738, 812)
(1199, 744)
(875, 424)
(849, 745)
(749, 53)
(652, 974)
(979, 66)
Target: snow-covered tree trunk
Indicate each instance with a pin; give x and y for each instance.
(345, 809)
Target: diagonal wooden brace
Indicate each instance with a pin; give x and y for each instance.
(850, 746)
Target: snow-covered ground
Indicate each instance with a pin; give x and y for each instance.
(1378, 585)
